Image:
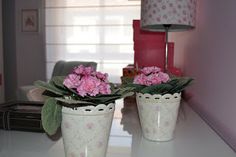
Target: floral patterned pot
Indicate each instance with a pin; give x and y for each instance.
(86, 130)
(158, 115)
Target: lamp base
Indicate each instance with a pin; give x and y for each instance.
(167, 26)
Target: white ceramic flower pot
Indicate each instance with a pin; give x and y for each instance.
(158, 115)
(86, 130)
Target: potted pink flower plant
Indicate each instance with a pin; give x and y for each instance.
(158, 98)
(83, 104)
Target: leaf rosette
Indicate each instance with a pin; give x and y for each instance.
(69, 92)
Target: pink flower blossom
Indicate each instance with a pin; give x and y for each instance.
(79, 69)
(87, 82)
(148, 70)
(104, 88)
(88, 70)
(155, 79)
(151, 76)
(140, 79)
(102, 76)
(164, 77)
(72, 81)
(88, 86)
(83, 70)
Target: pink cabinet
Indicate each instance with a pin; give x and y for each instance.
(149, 49)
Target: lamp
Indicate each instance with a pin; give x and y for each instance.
(167, 15)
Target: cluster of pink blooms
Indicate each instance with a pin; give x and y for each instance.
(87, 82)
(151, 76)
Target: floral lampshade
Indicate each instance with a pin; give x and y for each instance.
(179, 14)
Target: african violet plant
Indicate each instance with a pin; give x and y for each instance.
(83, 87)
(153, 81)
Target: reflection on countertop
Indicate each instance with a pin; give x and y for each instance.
(131, 123)
(193, 138)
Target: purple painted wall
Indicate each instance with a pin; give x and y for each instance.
(30, 47)
(208, 54)
(24, 52)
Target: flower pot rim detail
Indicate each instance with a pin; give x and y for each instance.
(158, 115)
(89, 110)
(158, 98)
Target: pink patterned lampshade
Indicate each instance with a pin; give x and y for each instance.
(179, 14)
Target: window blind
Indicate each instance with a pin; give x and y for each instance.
(91, 30)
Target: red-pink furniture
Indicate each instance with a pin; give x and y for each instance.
(149, 49)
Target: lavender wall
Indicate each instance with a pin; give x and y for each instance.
(30, 47)
(208, 54)
(24, 52)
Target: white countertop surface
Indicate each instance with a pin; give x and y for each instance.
(193, 138)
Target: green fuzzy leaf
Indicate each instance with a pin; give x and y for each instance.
(51, 116)
(181, 85)
(125, 90)
(127, 94)
(175, 85)
(50, 87)
(174, 81)
(157, 89)
(127, 80)
(115, 91)
(58, 82)
(72, 101)
(135, 87)
(50, 94)
(103, 99)
(56, 89)
(101, 96)
(113, 87)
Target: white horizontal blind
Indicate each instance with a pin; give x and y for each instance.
(91, 30)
